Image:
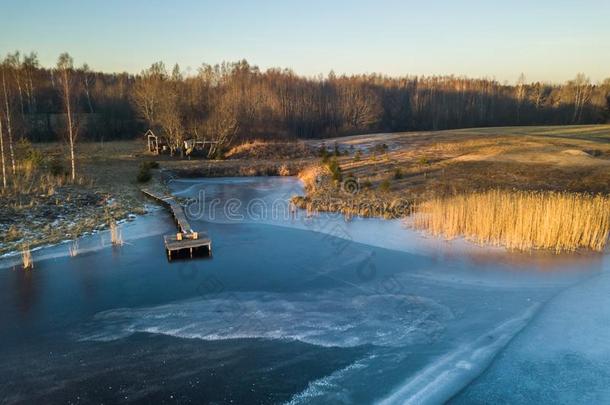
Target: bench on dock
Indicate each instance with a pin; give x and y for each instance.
(187, 242)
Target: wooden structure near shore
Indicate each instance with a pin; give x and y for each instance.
(187, 242)
(193, 146)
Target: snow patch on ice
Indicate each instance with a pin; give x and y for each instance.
(331, 319)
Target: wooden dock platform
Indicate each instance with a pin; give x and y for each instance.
(187, 242)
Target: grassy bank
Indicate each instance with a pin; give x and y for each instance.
(43, 206)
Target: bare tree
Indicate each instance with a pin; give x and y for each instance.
(65, 70)
(222, 126)
(520, 93)
(2, 154)
(169, 118)
(88, 80)
(14, 63)
(7, 112)
(582, 89)
(30, 65)
(148, 92)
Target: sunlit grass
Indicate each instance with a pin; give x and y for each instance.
(26, 258)
(116, 238)
(73, 248)
(520, 220)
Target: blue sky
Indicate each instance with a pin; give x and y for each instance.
(547, 40)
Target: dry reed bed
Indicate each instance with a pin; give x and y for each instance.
(347, 197)
(520, 220)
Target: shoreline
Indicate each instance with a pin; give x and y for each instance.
(376, 175)
(397, 237)
(349, 206)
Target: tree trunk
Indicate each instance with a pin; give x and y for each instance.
(2, 155)
(8, 125)
(72, 159)
(70, 125)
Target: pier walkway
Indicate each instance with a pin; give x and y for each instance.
(187, 242)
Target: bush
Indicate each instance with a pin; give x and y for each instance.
(335, 169)
(150, 164)
(423, 161)
(337, 151)
(385, 186)
(57, 168)
(144, 174)
(323, 152)
(398, 173)
(29, 154)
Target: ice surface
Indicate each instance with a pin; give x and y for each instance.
(441, 321)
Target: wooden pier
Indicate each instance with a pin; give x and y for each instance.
(187, 242)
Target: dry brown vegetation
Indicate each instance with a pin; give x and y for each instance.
(41, 204)
(438, 169)
(445, 163)
(520, 220)
(116, 238)
(260, 149)
(26, 258)
(73, 248)
(412, 168)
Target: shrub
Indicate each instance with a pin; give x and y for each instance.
(29, 154)
(337, 151)
(385, 186)
(380, 148)
(397, 173)
(322, 152)
(144, 174)
(335, 170)
(57, 168)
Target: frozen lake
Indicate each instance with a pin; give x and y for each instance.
(298, 309)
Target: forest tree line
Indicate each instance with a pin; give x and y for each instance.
(237, 100)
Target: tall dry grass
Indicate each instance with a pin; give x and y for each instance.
(520, 220)
(26, 258)
(310, 176)
(73, 248)
(116, 238)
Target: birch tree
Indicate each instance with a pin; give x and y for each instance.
(14, 63)
(88, 80)
(7, 114)
(2, 154)
(65, 73)
(582, 89)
